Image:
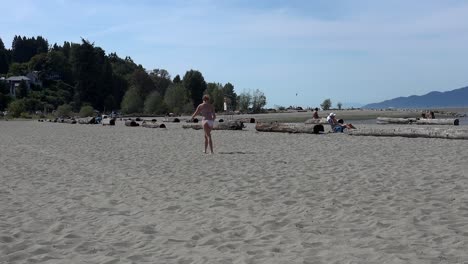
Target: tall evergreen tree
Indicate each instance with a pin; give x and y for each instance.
(92, 73)
(230, 95)
(3, 58)
(195, 83)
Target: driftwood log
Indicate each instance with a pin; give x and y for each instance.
(393, 120)
(86, 120)
(417, 121)
(172, 119)
(321, 121)
(247, 120)
(229, 125)
(289, 128)
(69, 121)
(131, 123)
(448, 121)
(153, 125)
(413, 132)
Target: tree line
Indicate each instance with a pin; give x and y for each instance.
(78, 75)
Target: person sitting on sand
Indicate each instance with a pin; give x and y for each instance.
(337, 125)
(430, 115)
(208, 112)
(315, 115)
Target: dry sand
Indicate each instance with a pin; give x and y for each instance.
(93, 194)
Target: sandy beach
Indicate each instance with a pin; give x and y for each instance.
(94, 194)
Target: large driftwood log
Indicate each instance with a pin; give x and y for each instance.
(448, 121)
(69, 121)
(87, 120)
(289, 128)
(131, 123)
(152, 125)
(246, 120)
(229, 125)
(321, 121)
(427, 132)
(418, 121)
(394, 120)
(172, 119)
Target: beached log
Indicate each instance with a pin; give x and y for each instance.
(289, 128)
(172, 119)
(131, 123)
(229, 125)
(87, 120)
(322, 121)
(448, 121)
(393, 120)
(413, 132)
(153, 125)
(418, 121)
(246, 120)
(195, 120)
(69, 121)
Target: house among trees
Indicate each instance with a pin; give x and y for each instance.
(15, 81)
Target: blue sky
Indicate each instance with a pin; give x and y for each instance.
(352, 51)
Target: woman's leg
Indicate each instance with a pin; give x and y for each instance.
(208, 140)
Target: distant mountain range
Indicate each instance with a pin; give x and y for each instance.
(454, 98)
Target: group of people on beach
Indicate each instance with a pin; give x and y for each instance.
(207, 111)
(337, 125)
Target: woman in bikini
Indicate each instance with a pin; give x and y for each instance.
(208, 112)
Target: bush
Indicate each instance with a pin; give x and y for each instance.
(25, 115)
(132, 102)
(64, 110)
(154, 104)
(86, 111)
(16, 107)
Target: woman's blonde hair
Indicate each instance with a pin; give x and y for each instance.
(206, 97)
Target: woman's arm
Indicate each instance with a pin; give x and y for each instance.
(214, 114)
(196, 112)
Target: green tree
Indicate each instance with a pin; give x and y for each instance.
(161, 79)
(92, 72)
(244, 101)
(132, 102)
(154, 104)
(23, 49)
(326, 105)
(4, 61)
(230, 95)
(64, 110)
(4, 101)
(177, 79)
(16, 107)
(339, 104)
(176, 98)
(258, 101)
(17, 69)
(86, 111)
(37, 63)
(142, 82)
(216, 93)
(22, 90)
(195, 84)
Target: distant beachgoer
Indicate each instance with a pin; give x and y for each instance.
(431, 115)
(316, 115)
(208, 112)
(423, 115)
(337, 125)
